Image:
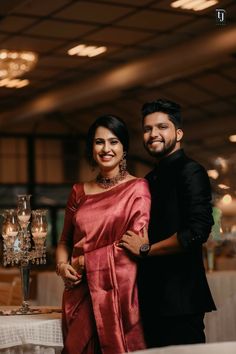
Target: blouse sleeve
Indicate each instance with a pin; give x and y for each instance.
(140, 212)
(71, 207)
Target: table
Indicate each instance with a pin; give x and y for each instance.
(30, 334)
(41, 334)
(220, 324)
(209, 348)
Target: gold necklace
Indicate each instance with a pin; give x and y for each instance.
(106, 182)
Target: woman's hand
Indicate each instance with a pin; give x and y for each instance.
(70, 276)
(132, 241)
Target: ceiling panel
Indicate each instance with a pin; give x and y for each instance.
(40, 8)
(132, 2)
(31, 43)
(118, 36)
(61, 62)
(15, 24)
(93, 12)
(2, 37)
(154, 20)
(197, 26)
(59, 29)
(230, 72)
(217, 84)
(192, 114)
(219, 106)
(128, 53)
(96, 66)
(191, 94)
(161, 41)
(43, 73)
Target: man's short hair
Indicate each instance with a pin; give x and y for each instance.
(172, 109)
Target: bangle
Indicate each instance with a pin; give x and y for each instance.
(58, 266)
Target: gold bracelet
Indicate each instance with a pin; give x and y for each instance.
(58, 266)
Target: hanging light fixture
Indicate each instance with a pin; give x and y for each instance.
(14, 64)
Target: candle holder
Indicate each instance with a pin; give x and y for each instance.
(20, 248)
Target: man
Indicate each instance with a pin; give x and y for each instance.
(173, 290)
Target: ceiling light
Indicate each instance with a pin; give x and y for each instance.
(13, 83)
(196, 5)
(14, 64)
(222, 163)
(213, 174)
(227, 199)
(232, 138)
(84, 50)
(223, 186)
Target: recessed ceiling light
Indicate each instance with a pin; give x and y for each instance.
(14, 83)
(232, 138)
(84, 50)
(196, 5)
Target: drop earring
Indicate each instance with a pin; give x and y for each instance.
(123, 164)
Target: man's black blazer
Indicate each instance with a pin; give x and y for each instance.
(181, 202)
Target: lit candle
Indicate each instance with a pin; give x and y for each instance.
(9, 232)
(39, 234)
(24, 217)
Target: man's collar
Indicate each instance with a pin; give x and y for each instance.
(171, 158)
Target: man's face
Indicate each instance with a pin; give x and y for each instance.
(160, 136)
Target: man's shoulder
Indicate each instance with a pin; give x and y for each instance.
(180, 165)
(189, 164)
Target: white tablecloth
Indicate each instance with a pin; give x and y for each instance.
(31, 334)
(209, 348)
(31, 349)
(220, 324)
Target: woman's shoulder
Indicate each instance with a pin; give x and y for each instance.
(78, 189)
(139, 183)
(138, 180)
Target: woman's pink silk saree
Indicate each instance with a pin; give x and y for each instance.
(101, 315)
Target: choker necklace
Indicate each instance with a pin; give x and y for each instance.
(106, 183)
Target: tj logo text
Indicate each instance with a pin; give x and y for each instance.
(220, 17)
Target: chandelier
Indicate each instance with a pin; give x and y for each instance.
(14, 64)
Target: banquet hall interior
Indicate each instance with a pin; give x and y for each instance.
(65, 62)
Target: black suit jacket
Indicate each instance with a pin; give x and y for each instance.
(181, 202)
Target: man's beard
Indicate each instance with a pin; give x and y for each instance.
(164, 152)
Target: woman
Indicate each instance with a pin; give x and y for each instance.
(100, 303)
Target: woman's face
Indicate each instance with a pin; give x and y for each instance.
(107, 150)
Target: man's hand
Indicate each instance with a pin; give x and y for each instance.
(132, 241)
